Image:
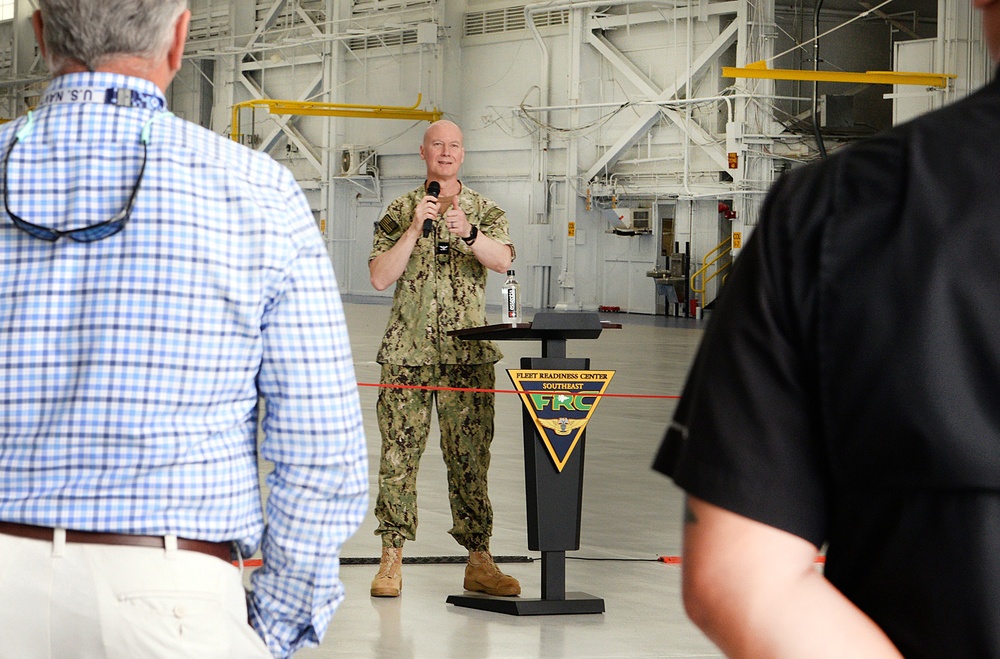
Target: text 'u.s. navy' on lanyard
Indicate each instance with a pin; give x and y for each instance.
(120, 96)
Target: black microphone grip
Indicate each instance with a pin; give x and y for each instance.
(433, 189)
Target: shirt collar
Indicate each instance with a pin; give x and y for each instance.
(102, 87)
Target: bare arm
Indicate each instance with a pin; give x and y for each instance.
(492, 254)
(390, 265)
(495, 256)
(753, 590)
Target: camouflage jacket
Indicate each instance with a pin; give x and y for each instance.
(438, 292)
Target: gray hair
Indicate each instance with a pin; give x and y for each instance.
(94, 31)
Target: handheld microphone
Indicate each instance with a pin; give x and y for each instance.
(433, 189)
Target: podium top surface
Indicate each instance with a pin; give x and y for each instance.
(543, 326)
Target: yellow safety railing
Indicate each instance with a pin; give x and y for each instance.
(313, 108)
(710, 259)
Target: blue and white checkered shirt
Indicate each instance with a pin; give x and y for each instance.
(130, 368)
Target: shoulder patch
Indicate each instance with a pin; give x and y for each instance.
(388, 225)
(492, 214)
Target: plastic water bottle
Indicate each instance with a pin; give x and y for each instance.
(511, 300)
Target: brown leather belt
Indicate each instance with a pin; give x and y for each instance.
(222, 550)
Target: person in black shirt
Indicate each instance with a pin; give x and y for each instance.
(847, 394)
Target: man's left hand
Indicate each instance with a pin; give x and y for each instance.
(456, 221)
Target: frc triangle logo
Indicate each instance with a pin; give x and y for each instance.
(561, 404)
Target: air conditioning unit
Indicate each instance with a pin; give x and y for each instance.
(641, 219)
(619, 218)
(629, 221)
(357, 161)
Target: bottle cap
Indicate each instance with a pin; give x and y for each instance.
(510, 272)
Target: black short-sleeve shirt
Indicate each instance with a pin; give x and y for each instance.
(847, 389)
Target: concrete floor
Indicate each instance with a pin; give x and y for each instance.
(631, 516)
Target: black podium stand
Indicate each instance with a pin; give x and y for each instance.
(553, 497)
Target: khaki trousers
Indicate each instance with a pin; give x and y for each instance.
(73, 600)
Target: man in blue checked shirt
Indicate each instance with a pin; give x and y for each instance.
(156, 281)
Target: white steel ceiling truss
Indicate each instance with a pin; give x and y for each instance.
(285, 124)
(649, 115)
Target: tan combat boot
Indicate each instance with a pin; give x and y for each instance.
(482, 575)
(389, 580)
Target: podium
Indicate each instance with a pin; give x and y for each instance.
(553, 497)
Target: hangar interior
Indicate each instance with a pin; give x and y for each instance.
(631, 167)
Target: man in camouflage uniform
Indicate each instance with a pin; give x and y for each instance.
(440, 286)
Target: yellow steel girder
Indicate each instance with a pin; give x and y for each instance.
(312, 108)
(760, 70)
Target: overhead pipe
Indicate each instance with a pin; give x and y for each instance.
(728, 99)
(687, 110)
(815, 94)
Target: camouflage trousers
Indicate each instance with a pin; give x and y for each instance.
(466, 421)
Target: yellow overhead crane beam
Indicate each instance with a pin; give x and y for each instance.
(275, 106)
(760, 70)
